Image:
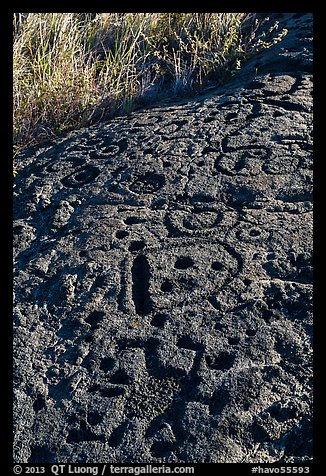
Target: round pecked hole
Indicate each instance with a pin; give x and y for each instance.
(166, 286)
(159, 320)
(95, 317)
(234, 340)
(184, 262)
(39, 403)
(136, 245)
(120, 377)
(120, 234)
(94, 418)
(217, 266)
(107, 364)
(254, 232)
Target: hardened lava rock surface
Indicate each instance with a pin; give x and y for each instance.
(163, 277)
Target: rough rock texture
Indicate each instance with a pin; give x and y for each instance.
(163, 277)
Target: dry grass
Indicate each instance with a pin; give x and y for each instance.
(73, 69)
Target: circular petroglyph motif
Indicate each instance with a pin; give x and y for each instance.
(201, 219)
(148, 182)
(81, 176)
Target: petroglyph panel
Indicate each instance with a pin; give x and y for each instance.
(163, 277)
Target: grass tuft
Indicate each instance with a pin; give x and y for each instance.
(74, 69)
